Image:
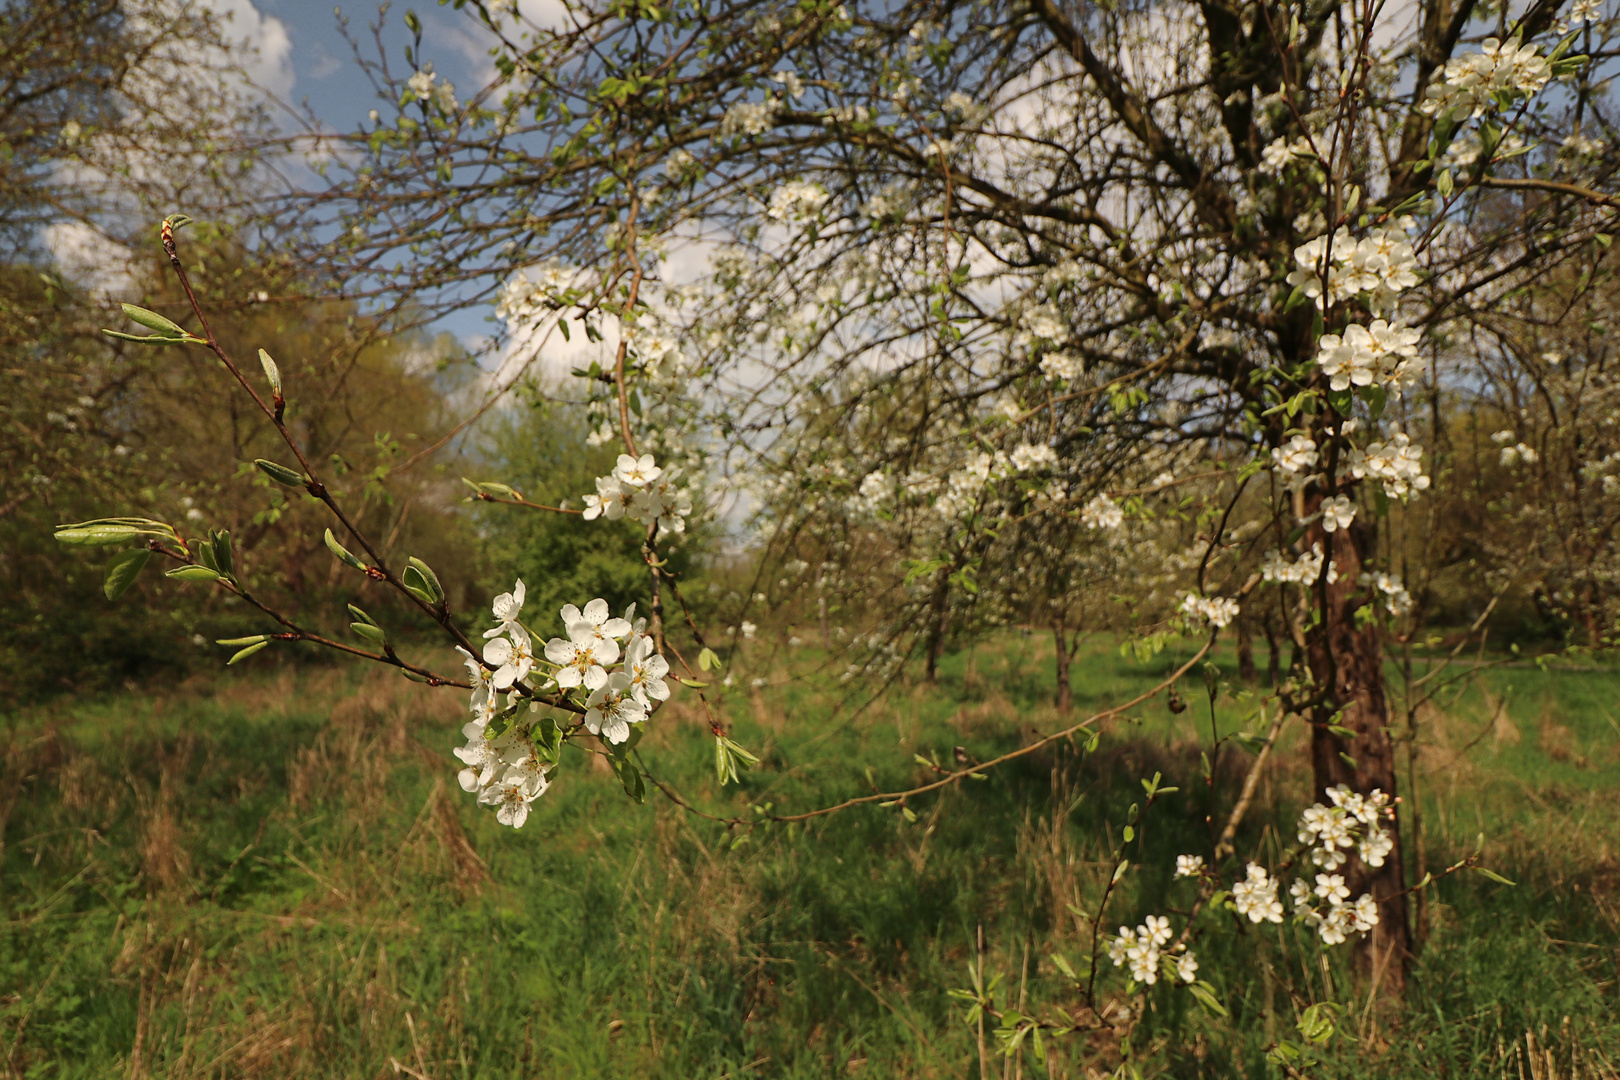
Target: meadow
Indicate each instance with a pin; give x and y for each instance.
(272, 873)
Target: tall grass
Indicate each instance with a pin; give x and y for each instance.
(275, 875)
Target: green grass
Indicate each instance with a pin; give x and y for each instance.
(275, 874)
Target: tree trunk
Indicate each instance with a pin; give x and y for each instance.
(1064, 700)
(1273, 650)
(1347, 660)
(1245, 651)
(939, 608)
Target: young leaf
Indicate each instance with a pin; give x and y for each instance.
(153, 321)
(340, 551)
(192, 573)
(280, 473)
(123, 570)
(245, 653)
(271, 372)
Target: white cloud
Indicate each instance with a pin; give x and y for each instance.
(267, 47)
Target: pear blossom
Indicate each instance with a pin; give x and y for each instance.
(507, 607)
(1297, 455)
(1337, 513)
(608, 502)
(637, 472)
(1187, 968)
(646, 670)
(1256, 896)
(511, 799)
(582, 658)
(596, 616)
(1189, 865)
(610, 710)
(483, 702)
(1218, 611)
(512, 658)
(1102, 513)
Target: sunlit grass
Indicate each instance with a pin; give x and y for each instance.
(275, 874)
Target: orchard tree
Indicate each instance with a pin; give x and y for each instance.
(966, 263)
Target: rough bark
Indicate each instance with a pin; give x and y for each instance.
(1347, 660)
(1064, 698)
(1245, 652)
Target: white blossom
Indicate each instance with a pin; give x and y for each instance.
(1029, 457)
(1296, 455)
(1102, 513)
(1471, 82)
(1189, 865)
(646, 670)
(1062, 367)
(747, 118)
(1337, 513)
(608, 502)
(512, 658)
(794, 200)
(1256, 896)
(1218, 611)
(582, 658)
(610, 710)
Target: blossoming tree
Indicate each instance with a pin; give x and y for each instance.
(966, 263)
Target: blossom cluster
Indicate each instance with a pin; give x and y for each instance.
(1281, 153)
(1326, 908)
(505, 763)
(1102, 513)
(1255, 897)
(1396, 599)
(1380, 265)
(1353, 821)
(748, 118)
(425, 85)
(640, 489)
(1521, 452)
(1218, 611)
(1381, 354)
(795, 200)
(1396, 461)
(1473, 83)
(1062, 367)
(1299, 454)
(1142, 950)
(1304, 570)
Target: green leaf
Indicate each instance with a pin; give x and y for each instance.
(221, 545)
(340, 551)
(630, 777)
(271, 372)
(97, 535)
(153, 321)
(708, 661)
(146, 339)
(245, 653)
(280, 473)
(1205, 995)
(123, 570)
(193, 573)
(373, 634)
(360, 616)
(1494, 876)
(1129, 834)
(1316, 1023)
(253, 639)
(430, 580)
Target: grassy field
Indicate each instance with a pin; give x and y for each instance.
(274, 874)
